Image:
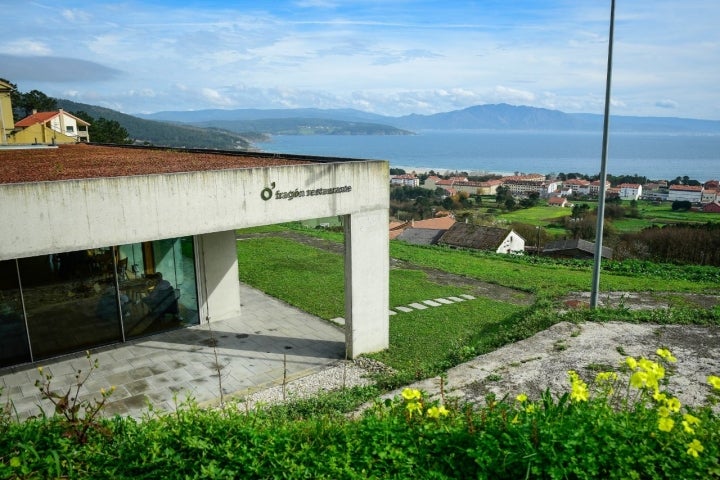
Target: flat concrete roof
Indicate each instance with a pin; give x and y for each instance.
(78, 161)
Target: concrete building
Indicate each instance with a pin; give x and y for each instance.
(681, 193)
(100, 245)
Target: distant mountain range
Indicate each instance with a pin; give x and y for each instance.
(238, 129)
(495, 117)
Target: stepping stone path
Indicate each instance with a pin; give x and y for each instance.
(422, 305)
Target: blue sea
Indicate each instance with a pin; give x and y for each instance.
(656, 156)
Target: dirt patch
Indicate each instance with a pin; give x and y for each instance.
(642, 300)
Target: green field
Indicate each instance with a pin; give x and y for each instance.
(423, 343)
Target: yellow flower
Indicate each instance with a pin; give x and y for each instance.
(659, 396)
(40, 370)
(530, 408)
(695, 448)
(522, 398)
(691, 419)
(666, 354)
(411, 394)
(604, 377)
(714, 381)
(437, 412)
(687, 427)
(631, 362)
(638, 379)
(515, 420)
(666, 424)
(663, 412)
(413, 407)
(673, 404)
(579, 392)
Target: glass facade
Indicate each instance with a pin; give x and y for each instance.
(61, 303)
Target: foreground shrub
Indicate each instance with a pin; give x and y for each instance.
(613, 426)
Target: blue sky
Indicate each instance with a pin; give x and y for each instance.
(392, 57)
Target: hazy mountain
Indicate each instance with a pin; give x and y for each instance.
(300, 121)
(493, 116)
(162, 133)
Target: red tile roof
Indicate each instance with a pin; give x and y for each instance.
(40, 117)
(686, 188)
(94, 161)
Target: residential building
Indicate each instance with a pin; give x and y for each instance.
(708, 196)
(630, 191)
(575, 184)
(480, 237)
(521, 185)
(7, 125)
(559, 201)
(123, 242)
(407, 180)
(713, 207)
(421, 232)
(682, 193)
(50, 128)
(593, 188)
(574, 248)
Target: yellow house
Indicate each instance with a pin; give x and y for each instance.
(50, 127)
(6, 116)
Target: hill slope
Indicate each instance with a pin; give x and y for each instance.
(161, 133)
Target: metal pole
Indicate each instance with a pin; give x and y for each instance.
(594, 291)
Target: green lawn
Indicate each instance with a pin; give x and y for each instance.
(540, 215)
(424, 343)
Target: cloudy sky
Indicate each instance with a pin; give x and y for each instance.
(392, 57)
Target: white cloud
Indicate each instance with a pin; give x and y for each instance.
(75, 15)
(25, 47)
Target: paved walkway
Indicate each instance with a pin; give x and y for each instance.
(269, 342)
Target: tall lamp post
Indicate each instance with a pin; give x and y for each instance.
(594, 291)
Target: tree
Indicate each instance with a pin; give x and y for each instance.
(681, 205)
(25, 103)
(502, 194)
(104, 131)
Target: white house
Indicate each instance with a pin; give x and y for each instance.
(689, 193)
(407, 180)
(85, 247)
(630, 191)
(39, 128)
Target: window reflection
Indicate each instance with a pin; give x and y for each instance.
(86, 298)
(14, 346)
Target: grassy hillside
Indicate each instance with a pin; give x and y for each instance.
(164, 134)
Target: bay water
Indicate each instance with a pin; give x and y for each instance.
(657, 156)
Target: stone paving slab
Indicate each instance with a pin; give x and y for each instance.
(418, 306)
(404, 309)
(253, 352)
(444, 301)
(431, 303)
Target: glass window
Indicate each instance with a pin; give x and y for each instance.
(160, 284)
(71, 301)
(14, 346)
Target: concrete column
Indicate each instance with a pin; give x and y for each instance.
(218, 275)
(367, 282)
